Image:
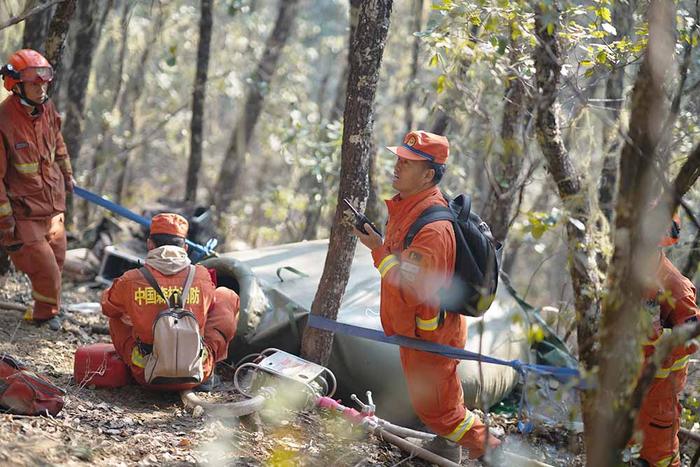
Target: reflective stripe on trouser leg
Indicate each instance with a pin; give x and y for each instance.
(38, 262)
(666, 461)
(465, 425)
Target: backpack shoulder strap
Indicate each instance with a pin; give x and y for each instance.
(153, 282)
(430, 215)
(188, 283)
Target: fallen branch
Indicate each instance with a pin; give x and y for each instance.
(32, 12)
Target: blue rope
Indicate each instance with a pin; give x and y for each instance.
(131, 215)
(562, 374)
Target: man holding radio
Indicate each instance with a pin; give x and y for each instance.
(410, 303)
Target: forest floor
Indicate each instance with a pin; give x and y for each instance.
(132, 426)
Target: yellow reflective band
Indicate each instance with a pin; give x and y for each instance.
(44, 298)
(29, 168)
(657, 340)
(427, 324)
(677, 365)
(666, 461)
(387, 263)
(138, 359)
(5, 209)
(466, 425)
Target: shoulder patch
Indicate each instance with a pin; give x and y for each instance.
(21, 145)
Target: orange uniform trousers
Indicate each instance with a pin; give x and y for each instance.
(38, 249)
(437, 397)
(659, 420)
(219, 330)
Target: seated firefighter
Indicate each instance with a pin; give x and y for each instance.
(168, 321)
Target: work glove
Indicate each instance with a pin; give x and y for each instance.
(69, 182)
(7, 230)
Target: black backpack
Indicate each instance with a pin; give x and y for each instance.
(475, 279)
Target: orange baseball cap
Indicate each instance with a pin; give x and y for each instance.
(170, 224)
(420, 145)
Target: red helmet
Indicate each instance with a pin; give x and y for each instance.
(671, 237)
(26, 66)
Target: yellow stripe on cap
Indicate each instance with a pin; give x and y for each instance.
(427, 324)
(464, 426)
(387, 263)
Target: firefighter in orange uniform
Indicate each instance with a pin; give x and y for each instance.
(36, 173)
(132, 305)
(671, 301)
(411, 280)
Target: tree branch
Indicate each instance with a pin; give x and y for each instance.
(37, 9)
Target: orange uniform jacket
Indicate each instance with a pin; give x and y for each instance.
(33, 162)
(132, 299)
(410, 306)
(672, 304)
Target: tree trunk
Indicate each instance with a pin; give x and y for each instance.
(36, 27)
(198, 99)
(622, 327)
(234, 159)
(582, 266)
(411, 85)
(622, 21)
(129, 106)
(506, 169)
(56, 41)
(365, 63)
(86, 39)
(105, 146)
(311, 183)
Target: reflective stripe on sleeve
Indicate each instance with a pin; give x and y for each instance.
(387, 263)
(138, 359)
(464, 426)
(677, 365)
(427, 324)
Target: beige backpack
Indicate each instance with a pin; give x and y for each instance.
(177, 353)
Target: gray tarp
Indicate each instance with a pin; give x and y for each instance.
(275, 317)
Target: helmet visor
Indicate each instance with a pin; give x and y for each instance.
(36, 74)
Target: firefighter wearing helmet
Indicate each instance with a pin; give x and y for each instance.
(670, 300)
(36, 174)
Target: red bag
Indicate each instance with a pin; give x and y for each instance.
(24, 392)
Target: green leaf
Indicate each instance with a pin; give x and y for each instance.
(604, 14)
(434, 60)
(441, 84)
(550, 28)
(601, 57)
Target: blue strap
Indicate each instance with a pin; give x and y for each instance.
(562, 374)
(131, 215)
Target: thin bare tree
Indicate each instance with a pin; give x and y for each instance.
(358, 123)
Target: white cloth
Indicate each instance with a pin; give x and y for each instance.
(168, 259)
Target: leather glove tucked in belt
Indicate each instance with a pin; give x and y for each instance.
(7, 231)
(69, 182)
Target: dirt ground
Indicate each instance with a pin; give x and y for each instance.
(132, 426)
